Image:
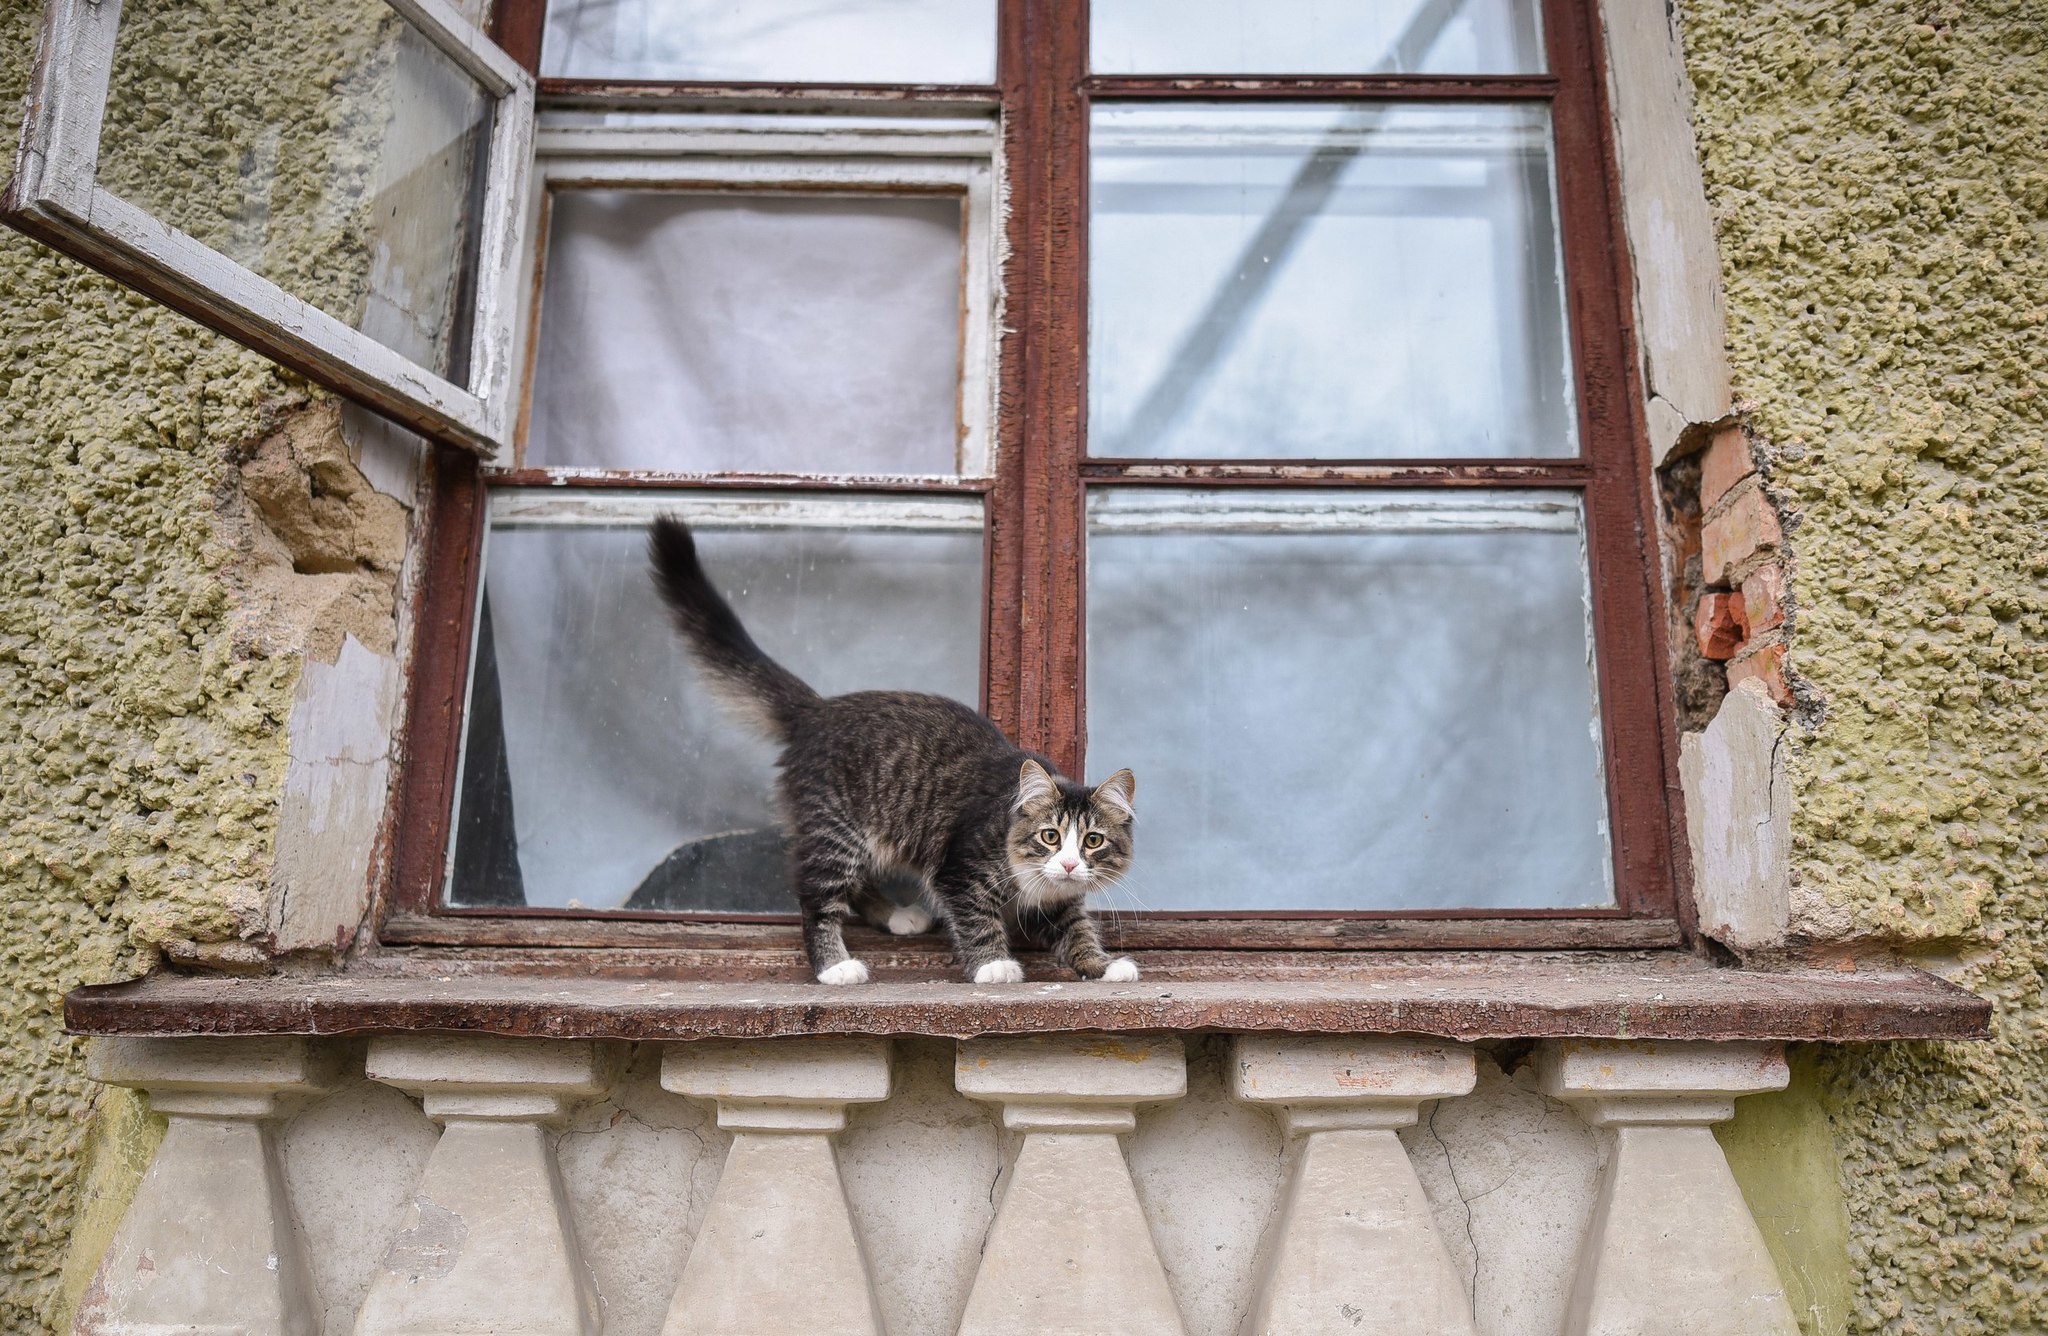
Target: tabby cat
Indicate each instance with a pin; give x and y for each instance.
(876, 783)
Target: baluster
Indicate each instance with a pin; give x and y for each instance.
(487, 1244)
(210, 1243)
(1070, 1250)
(1355, 1248)
(1672, 1247)
(778, 1251)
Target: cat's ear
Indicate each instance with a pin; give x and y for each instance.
(1117, 793)
(1034, 785)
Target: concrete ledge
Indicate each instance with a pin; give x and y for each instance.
(1072, 1069)
(1450, 995)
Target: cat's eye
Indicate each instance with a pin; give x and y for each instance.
(1051, 837)
(1094, 840)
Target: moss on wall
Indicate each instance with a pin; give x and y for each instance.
(1782, 1149)
(125, 1137)
(142, 704)
(1879, 176)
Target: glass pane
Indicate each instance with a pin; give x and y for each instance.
(598, 772)
(781, 41)
(331, 149)
(749, 333)
(1325, 282)
(1314, 37)
(1348, 700)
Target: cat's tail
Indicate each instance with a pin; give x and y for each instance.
(747, 682)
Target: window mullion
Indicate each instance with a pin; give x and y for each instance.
(1035, 654)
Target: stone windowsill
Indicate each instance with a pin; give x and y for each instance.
(1453, 995)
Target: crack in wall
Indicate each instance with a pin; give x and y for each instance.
(1471, 1238)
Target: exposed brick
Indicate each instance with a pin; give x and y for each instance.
(1719, 624)
(1726, 463)
(1765, 664)
(1763, 598)
(1746, 527)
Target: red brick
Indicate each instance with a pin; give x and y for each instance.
(1726, 463)
(1746, 527)
(1719, 625)
(1766, 665)
(1763, 598)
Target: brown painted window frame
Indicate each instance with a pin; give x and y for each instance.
(1034, 620)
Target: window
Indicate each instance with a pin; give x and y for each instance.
(132, 163)
(1327, 525)
(1235, 392)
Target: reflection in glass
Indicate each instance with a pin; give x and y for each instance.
(783, 41)
(597, 771)
(749, 333)
(331, 149)
(1348, 700)
(1276, 37)
(1320, 281)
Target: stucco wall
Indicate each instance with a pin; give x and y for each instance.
(1879, 178)
(155, 614)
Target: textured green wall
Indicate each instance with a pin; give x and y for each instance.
(143, 687)
(1879, 178)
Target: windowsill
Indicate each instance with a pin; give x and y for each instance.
(928, 956)
(1453, 995)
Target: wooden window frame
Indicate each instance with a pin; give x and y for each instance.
(1035, 619)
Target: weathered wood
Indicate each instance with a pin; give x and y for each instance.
(1326, 87)
(1124, 933)
(742, 95)
(1486, 473)
(58, 157)
(1472, 997)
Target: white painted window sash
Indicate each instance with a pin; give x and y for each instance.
(54, 197)
(633, 508)
(1331, 511)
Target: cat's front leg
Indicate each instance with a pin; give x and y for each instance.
(982, 943)
(1075, 943)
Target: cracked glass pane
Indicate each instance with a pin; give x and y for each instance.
(1348, 699)
(1326, 281)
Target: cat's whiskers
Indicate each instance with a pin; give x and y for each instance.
(1123, 883)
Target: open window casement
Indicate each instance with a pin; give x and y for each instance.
(360, 229)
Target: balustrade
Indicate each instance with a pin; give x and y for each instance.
(1351, 1241)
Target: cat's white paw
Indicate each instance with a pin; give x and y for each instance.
(1000, 971)
(1121, 970)
(846, 971)
(909, 920)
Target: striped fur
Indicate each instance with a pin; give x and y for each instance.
(881, 783)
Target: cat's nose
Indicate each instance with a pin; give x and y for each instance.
(1070, 863)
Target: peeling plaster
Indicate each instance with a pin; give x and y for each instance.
(1670, 232)
(335, 792)
(1738, 817)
